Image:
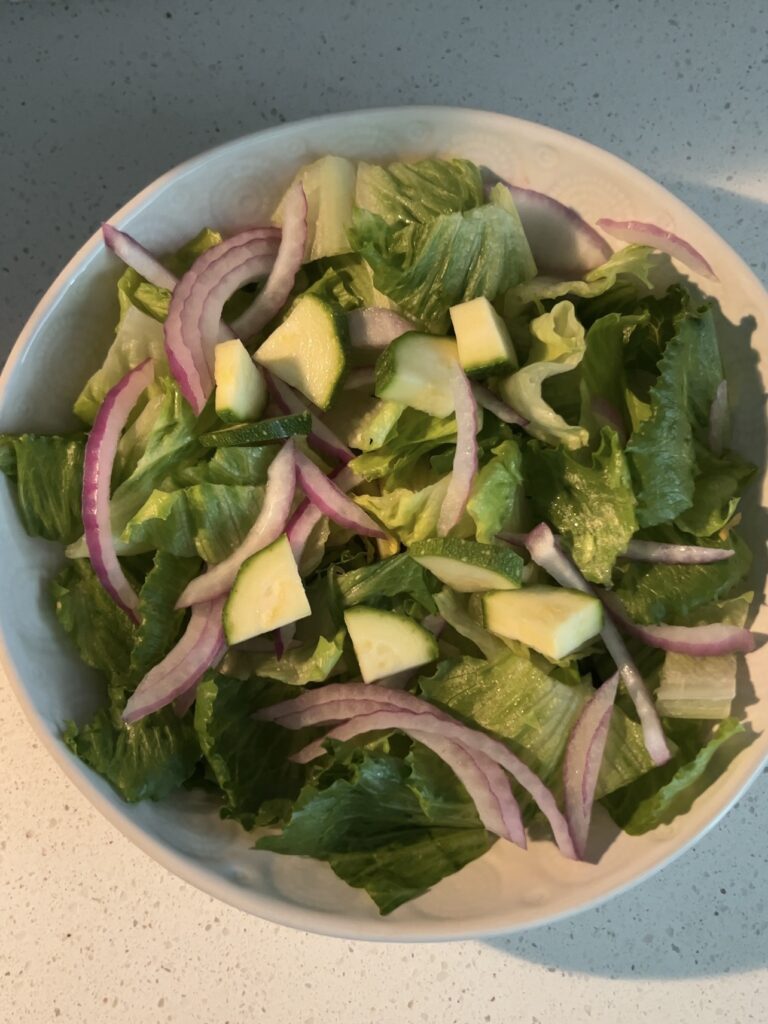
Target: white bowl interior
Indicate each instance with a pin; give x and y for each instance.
(64, 341)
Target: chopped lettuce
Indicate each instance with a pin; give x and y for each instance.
(209, 520)
(390, 825)
(427, 265)
(495, 503)
(558, 346)
(418, 192)
(587, 498)
(48, 472)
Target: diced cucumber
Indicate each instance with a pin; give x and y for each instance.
(482, 338)
(308, 350)
(329, 185)
(416, 370)
(551, 620)
(267, 593)
(466, 566)
(271, 431)
(241, 391)
(386, 643)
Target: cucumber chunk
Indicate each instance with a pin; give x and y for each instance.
(308, 350)
(241, 391)
(551, 620)
(416, 370)
(267, 593)
(386, 643)
(482, 338)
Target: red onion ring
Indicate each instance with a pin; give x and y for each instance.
(583, 759)
(331, 499)
(644, 233)
(100, 451)
(290, 255)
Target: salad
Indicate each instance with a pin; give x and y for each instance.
(404, 525)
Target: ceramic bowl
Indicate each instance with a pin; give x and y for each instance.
(237, 184)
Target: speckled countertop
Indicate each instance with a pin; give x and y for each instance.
(97, 99)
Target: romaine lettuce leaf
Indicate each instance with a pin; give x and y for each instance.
(249, 759)
(397, 576)
(417, 192)
(558, 346)
(633, 261)
(48, 472)
(588, 498)
(661, 450)
(602, 378)
(392, 826)
(153, 757)
(412, 515)
(428, 267)
(495, 503)
(414, 435)
(138, 337)
(716, 492)
(664, 793)
(208, 520)
(654, 593)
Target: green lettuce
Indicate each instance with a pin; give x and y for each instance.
(153, 757)
(633, 261)
(602, 378)
(716, 492)
(418, 192)
(495, 503)
(661, 450)
(397, 576)
(667, 792)
(209, 520)
(48, 472)
(559, 345)
(427, 267)
(413, 436)
(412, 515)
(654, 593)
(248, 759)
(392, 826)
(588, 498)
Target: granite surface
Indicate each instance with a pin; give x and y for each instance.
(97, 99)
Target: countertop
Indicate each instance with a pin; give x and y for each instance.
(97, 99)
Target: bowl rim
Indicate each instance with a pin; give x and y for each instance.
(271, 908)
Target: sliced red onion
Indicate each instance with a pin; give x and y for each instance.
(545, 552)
(321, 437)
(340, 701)
(374, 328)
(711, 640)
(275, 292)
(608, 415)
(674, 554)
(485, 782)
(562, 243)
(202, 646)
(135, 256)
(583, 758)
(644, 233)
(718, 420)
(100, 451)
(196, 298)
(270, 523)
(183, 703)
(465, 460)
(307, 516)
(365, 377)
(486, 398)
(323, 492)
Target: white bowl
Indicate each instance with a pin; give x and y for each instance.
(237, 184)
